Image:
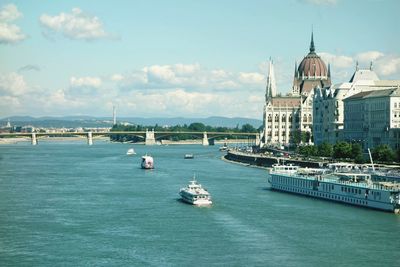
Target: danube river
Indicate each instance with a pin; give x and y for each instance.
(66, 203)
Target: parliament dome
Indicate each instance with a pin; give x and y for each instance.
(312, 65)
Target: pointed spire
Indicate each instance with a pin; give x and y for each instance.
(312, 47)
(357, 65)
(371, 66)
(271, 84)
(329, 70)
(295, 69)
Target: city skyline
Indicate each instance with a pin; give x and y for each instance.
(178, 58)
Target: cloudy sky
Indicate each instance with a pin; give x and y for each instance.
(179, 58)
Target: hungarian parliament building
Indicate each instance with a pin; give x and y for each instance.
(365, 109)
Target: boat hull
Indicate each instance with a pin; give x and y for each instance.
(190, 199)
(363, 197)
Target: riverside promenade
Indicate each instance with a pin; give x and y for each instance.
(262, 160)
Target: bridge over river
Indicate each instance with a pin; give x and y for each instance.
(149, 137)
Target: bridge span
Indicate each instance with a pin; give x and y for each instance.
(149, 137)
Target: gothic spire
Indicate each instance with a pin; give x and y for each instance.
(271, 85)
(312, 47)
(329, 70)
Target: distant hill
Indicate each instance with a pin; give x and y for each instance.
(88, 121)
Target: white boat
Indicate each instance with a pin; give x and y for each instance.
(147, 162)
(355, 188)
(189, 156)
(195, 194)
(131, 151)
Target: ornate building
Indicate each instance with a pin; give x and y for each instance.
(363, 120)
(285, 115)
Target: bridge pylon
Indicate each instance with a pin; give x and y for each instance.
(205, 139)
(258, 140)
(150, 139)
(34, 139)
(90, 138)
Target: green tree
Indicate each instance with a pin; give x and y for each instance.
(296, 138)
(342, 150)
(308, 150)
(356, 151)
(383, 153)
(325, 150)
(248, 128)
(197, 127)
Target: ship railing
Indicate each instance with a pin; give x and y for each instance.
(391, 188)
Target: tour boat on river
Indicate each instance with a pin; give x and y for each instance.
(147, 162)
(346, 187)
(195, 194)
(130, 151)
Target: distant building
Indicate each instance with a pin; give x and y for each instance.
(328, 109)
(285, 115)
(114, 115)
(372, 118)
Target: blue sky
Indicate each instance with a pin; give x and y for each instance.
(179, 58)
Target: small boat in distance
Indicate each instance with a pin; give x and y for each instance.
(147, 162)
(189, 156)
(131, 151)
(195, 194)
(224, 147)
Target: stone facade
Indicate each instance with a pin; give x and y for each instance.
(285, 115)
(328, 109)
(372, 118)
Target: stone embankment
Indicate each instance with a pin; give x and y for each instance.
(262, 160)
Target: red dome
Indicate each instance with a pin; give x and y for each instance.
(312, 65)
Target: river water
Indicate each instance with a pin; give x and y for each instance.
(66, 203)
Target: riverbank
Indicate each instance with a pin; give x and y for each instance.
(15, 140)
(262, 160)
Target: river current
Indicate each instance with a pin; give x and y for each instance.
(67, 203)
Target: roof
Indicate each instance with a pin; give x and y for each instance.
(292, 101)
(364, 74)
(375, 93)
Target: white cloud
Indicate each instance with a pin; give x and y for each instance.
(9, 13)
(10, 33)
(117, 77)
(388, 65)
(367, 57)
(84, 87)
(192, 77)
(12, 84)
(251, 77)
(75, 25)
(339, 61)
(85, 82)
(343, 66)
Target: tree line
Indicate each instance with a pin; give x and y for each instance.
(350, 151)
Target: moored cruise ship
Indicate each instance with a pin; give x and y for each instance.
(351, 188)
(195, 194)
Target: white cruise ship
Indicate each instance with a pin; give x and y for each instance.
(350, 188)
(195, 194)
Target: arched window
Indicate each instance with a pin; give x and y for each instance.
(284, 118)
(290, 118)
(305, 118)
(276, 118)
(269, 118)
(309, 118)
